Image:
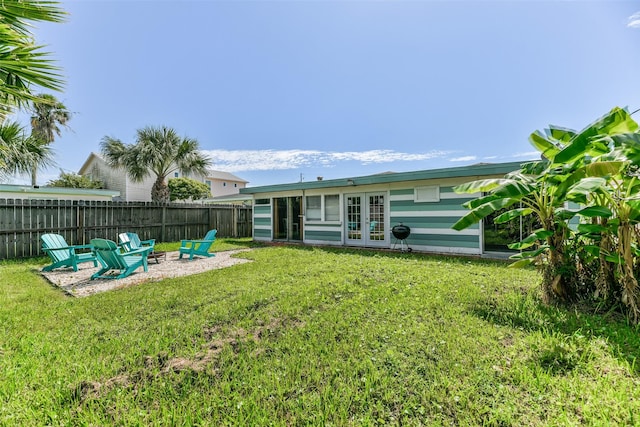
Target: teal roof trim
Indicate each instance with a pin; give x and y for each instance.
(457, 172)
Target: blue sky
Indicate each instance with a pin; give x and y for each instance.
(279, 90)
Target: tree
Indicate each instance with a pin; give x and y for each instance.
(19, 152)
(24, 64)
(187, 189)
(48, 114)
(158, 151)
(73, 180)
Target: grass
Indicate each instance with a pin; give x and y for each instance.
(309, 336)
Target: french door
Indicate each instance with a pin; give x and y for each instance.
(366, 219)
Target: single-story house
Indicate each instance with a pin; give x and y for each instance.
(220, 183)
(10, 191)
(361, 211)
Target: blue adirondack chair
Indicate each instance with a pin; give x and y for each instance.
(198, 247)
(64, 255)
(111, 258)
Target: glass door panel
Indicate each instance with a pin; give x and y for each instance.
(287, 224)
(376, 217)
(354, 217)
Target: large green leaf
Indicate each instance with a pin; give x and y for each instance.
(531, 239)
(605, 169)
(592, 228)
(530, 254)
(592, 211)
(542, 144)
(616, 121)
(521, 263)
(481, 185)
(561, 133)
(511, 214)
(471, 204)
(587, 186)
(477, 214)
(515, 189)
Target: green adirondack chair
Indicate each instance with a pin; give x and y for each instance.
(198, 247)
(111, 258)
(64, 255)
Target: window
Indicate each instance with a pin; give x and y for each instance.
(208, 184)
(314, 208)
(323, 208)
(235, 185)
(429, 193)
(176, 174)
(263, 202)
(332, 208)
(224, 184)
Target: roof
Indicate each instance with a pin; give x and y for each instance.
(481, 169)
(59, 191)
(223, 176)
(85, 165)
(230, 199)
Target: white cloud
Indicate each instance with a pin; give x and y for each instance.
(634, 20)
(260, 160)
(528, 155)
(463, 159)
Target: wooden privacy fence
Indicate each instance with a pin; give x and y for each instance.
(22, 222)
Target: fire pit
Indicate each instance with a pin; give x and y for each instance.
(401, 232)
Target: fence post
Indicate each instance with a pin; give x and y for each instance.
(164, 224)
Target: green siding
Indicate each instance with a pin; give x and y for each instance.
(262, 210)
(405, 192)
(451, 241)
(262, 233)
(332, 236)
(261, 221)
(442, 205)
(428, 221)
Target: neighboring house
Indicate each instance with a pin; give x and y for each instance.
(224, 183)
(55, 193)
(95, 167)
(361, 211)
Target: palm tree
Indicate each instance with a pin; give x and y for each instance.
(19, 152)
(158, 151)
(24, 64)
(48, 113)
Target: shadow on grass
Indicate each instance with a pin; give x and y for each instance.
(569, 329)
(390, 253)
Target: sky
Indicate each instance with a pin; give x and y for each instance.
(282, 91)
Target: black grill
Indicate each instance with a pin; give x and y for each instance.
(401, 232)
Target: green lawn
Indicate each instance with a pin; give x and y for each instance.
(308, 336)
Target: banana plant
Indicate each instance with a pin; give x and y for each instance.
(532, 190)
(567, 173)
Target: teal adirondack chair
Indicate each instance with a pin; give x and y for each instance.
(198, 247)
(64, 255)
(112, 259)
(131, 242)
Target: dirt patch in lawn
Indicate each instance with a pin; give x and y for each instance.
(79, 283)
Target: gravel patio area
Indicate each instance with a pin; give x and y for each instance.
(78, 283)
